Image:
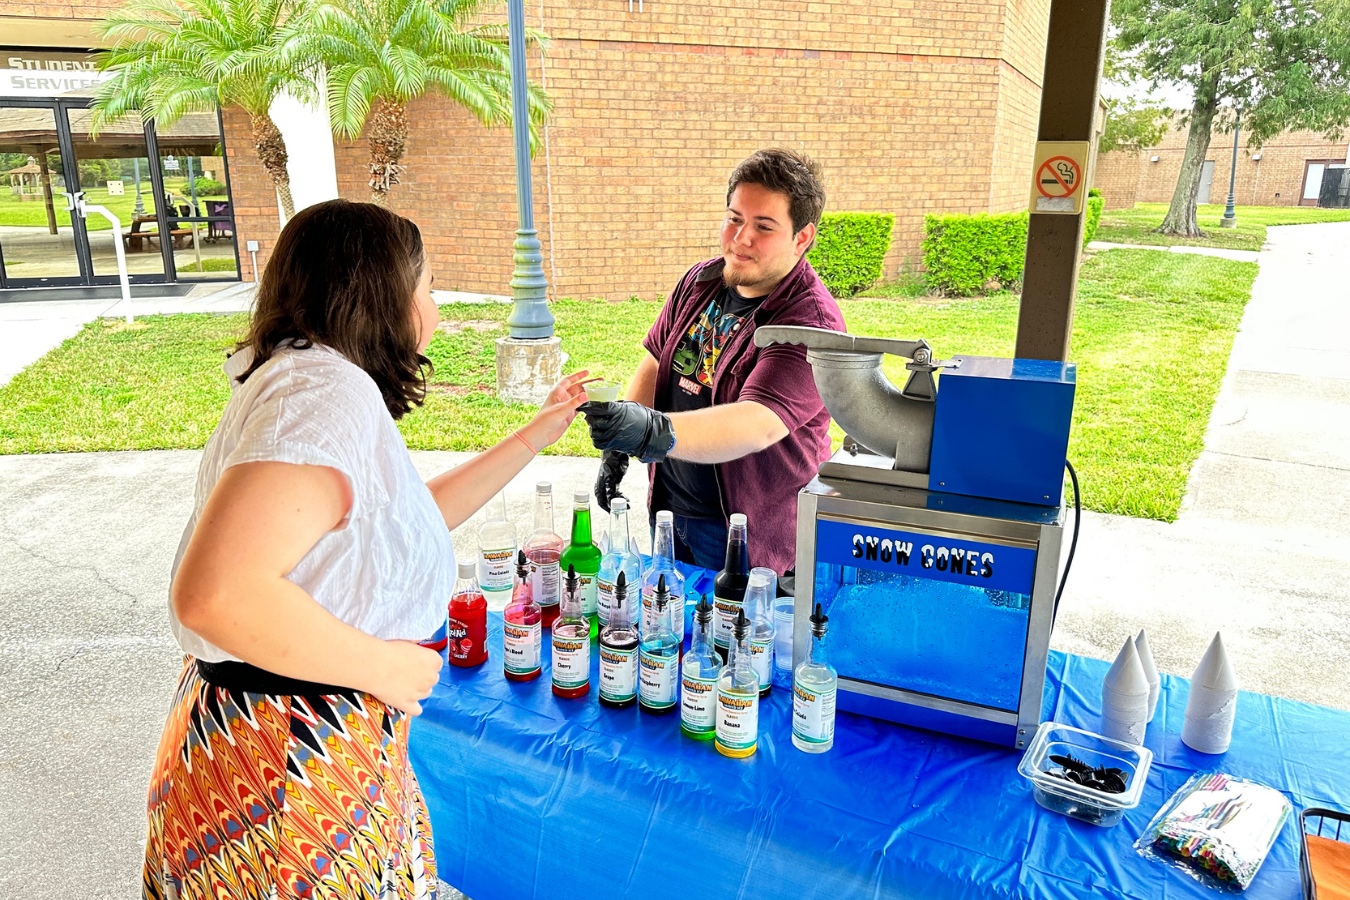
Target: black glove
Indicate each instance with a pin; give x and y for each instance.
(613, 466)
(629, 428)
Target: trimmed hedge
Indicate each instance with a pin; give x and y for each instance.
(963, 253)
(849, 249)
(1096, 203)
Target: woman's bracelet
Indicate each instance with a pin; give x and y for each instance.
(520, 437)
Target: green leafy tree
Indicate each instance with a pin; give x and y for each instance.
(1283, 64)
(382, 54)
(174, 57)
(1132, 125)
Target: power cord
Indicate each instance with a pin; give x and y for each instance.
(1073, 543)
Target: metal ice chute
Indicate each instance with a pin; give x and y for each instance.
(895, 424)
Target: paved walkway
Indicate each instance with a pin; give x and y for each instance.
(1262, 550)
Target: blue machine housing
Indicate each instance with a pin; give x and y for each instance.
(1001, 429)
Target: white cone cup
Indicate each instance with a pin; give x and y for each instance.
(1145, 652)
(1212, 703)
(1129, 732)
(1125, 697)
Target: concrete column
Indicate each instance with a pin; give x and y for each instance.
(1073, 65)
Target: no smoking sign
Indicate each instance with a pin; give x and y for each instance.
(1057, 185)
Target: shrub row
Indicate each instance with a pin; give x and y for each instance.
(968, 254)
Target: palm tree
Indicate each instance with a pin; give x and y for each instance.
(381, 54)
(172, 57)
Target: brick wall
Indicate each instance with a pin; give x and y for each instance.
(909, 111)
(1276, 179)
(252, 193)
(1117, 176)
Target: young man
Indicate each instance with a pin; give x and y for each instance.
(731, 427)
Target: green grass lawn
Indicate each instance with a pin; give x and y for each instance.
(33, 213)
(1151, 339)
(1135, 226)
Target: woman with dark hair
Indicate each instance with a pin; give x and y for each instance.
(314, 561)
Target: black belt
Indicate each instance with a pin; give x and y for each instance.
(240, 676)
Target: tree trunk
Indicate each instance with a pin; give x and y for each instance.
(1180, 219)
(388, 137)
(271, 149)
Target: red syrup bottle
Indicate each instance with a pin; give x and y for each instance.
(467, 629)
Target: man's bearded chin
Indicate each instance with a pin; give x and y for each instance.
(736, 277)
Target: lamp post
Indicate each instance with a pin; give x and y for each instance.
(1229, 219)
(530, 360)
(530, 318)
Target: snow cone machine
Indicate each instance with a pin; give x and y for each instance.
(932, 537)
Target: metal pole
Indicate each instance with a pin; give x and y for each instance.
(1229, 219)
(530, 318)
(139, 209)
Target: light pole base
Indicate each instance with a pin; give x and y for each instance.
(527, 370)
(1226, 222)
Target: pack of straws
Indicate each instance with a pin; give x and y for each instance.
(1217, 828)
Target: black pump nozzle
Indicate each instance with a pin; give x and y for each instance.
(522, 565)
(620, 590)
(573, 582)
(662, 594)
(742, 626)
(818, 620)
(703, 612)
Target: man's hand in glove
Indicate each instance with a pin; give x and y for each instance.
(630, 428)
(613, 466)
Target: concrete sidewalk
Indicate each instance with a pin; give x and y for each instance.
(1261, 550)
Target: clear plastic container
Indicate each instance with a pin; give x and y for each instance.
(1078, 801)
(782, 641)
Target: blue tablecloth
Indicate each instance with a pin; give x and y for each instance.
(532, 796)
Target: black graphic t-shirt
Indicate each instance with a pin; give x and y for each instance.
(692, 487)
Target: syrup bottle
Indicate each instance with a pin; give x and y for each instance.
(521, 628)
(467, 628)
(659, 658)
(571, 643)
(619, 653)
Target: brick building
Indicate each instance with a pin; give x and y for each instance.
(1285, 171)
(916, 108)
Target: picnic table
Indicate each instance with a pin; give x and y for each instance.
(135, 240)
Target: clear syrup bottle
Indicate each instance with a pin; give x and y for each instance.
(738, 696)
(543, 548)
(659, 659)
(663, 565)
(618, 558)
(521, 635)
(730, 584)
(496, 553)
(759, 610)
(814, 687)
(571, 638)
(619, 653)
(698, 678)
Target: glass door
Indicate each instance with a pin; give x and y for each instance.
(39, 245)
(114, 172)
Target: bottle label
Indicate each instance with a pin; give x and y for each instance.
(724, 618)
(586, 584)
(546, 581)
(698, 704)
(604, 599)
(521, 650)
(618, 674)
(571, 661)
(813, 714)
(761, 660)
(466, 637)
(497, 569)
(659, 680)
(737, 720)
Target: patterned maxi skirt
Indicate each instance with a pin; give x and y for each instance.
(265, 796)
